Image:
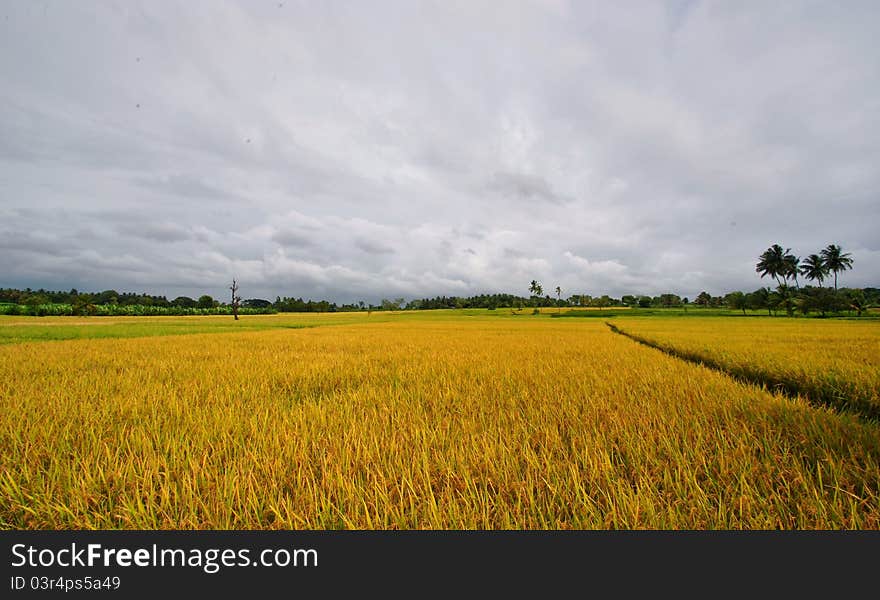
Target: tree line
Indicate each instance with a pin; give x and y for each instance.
(112, 303)
(47, 303)
(785, 268)
(780, 264)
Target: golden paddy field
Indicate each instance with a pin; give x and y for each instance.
(421, 420)
(834, 360)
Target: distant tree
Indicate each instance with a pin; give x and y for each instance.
(872, 296)
(558, 297)
(392, 304)
(836, 260)
(206, 301)
(785, 298)
(703, 299)
(107, 297)
(255, 303)
(644, 301)
(760, 299)
(737, 301)
(82, 305)
(536, 290)
(772, 262)
(814, 268)
(604, 301)
(669, 300)
(824, 300)
(37, 299)
(857, 301)
(790, 269)
(184, 302)
(236, 299)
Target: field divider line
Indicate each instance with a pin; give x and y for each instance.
(786, 387)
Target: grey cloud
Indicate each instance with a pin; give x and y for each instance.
(289, 237)
(354, 151)
(33, 242)
(522, 186)
(373, 246)
(185, 186)
(159, 232)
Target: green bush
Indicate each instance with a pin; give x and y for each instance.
(117, 310)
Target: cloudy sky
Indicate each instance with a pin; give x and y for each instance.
(361, 150)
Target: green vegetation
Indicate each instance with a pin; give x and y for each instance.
(25, 329)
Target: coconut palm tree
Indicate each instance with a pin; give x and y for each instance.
(836, 260)
(814, 268)
(536, 290)
(772, 262)
(790, 269)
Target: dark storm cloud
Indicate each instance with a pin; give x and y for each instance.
(361, 150)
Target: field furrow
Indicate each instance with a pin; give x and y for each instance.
(834, 363)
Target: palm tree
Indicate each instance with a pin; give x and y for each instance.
(558, 298)
(836, 260)
(536, 289)
(790, 269)
(772, 262)
(814, 268)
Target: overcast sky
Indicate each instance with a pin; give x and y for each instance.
(361, 150)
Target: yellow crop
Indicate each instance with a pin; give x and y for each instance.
(517, 422)
(834, 361)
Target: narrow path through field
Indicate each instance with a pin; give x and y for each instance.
(787, 387)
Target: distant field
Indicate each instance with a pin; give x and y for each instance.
(440, 419)
(834, 361)
(35, 329)
(16, 329)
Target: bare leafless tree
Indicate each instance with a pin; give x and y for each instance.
(236, 300)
